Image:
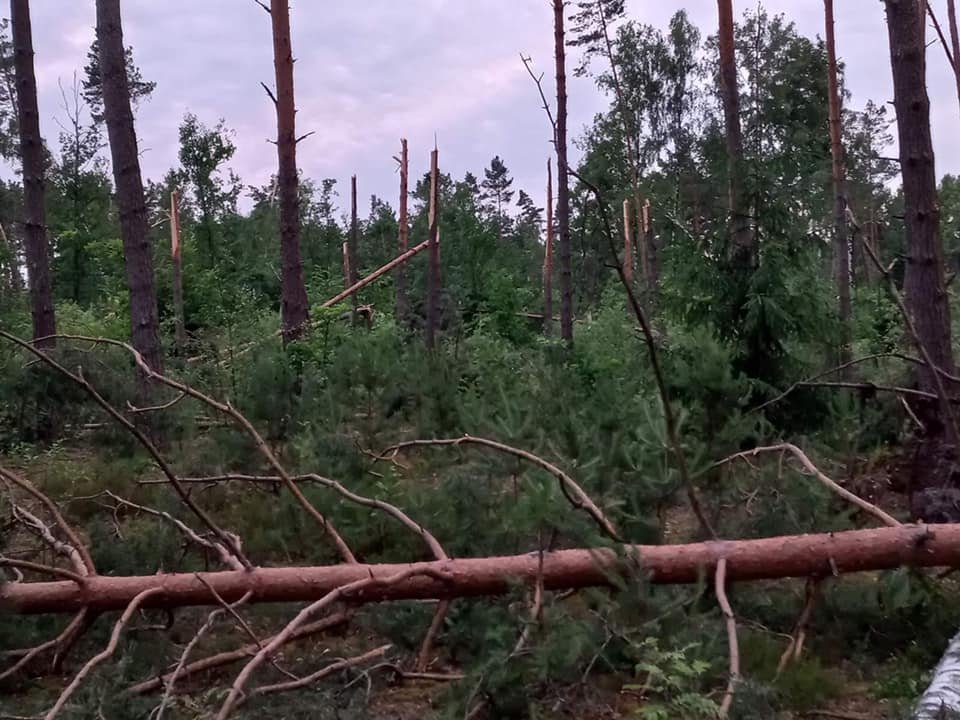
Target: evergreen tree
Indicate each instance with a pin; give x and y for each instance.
(497, 186)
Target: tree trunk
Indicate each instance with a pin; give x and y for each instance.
(563, 180)
(34, 186)
(954, 41)
(131, 202)
(924, 283)
(815, 555)
(942, 697)
(433, 271)
(176, 257)
(400, 278)
(743, 246)
(841, 238)
(353, 241)
(548, 259)
(648, 239)
(293, 292)
(627, 244)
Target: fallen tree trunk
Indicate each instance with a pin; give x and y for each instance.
(942, 698)
(770, 558)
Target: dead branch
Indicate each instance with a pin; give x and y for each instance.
(43, 569)
(669, 418)
(29, 654)
(119, 418)
(36, 525)
(943, 39)
(269, 92)
(218, 549)
(207, 625)
(156, 408)
(224, 408)
(54, 511)
(867, 507)
(953, 430)
(318, 675)
(574, 493)
(763, 559)
(538, 81)
(231, 656)
(795, 647)
(357, 588)
(105, 653)
(731, 622)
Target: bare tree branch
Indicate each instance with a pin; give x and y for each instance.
(731, 622)
(27, 655)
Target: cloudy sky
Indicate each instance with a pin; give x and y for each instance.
(370, 72)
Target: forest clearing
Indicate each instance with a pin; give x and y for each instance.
(673, 434)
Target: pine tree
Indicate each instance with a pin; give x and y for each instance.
(497, 185)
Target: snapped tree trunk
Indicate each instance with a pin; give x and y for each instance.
(548, 259)
(433, 270)
(354, 239)
(34, 185)
(924, 283)
(648, 240)
(176, 257)
(841, 238)
(814, 555)
(131, 202)
(293, 292)
(743, 249)
(627, 244)
(403, 239)
(563, 180)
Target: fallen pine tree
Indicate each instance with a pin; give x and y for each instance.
(815, 555)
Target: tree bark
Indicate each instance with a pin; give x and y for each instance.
(34, 185)
(353, 241)
(765, 559)
(131, 202)
(743, 245)
(563, 181)
(841, 237)
(294, 303)
(627, 244)
(400, 278)
(176, 257)
(548, 259)
(648, 238)
(954, 41)
(433, 270)
(924, 283)
(942, 697)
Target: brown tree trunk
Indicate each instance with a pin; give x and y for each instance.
(293, 292)
(954, 41)
(433, 271)
(648, 239)
(563, 180)
(131, 202)
(353, 241)
(743, 249)
(924, 283)
(627, 244)
(548, 259)
(400, 278)
(176, 257)
(815, 555)
(841, 238)
(34, 186)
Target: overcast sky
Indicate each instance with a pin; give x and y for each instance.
(370, 72)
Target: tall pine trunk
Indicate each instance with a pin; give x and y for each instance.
(294, 306)
(743, 245)
(563, 179)
(924, 284)
(34, 186)
(841, 238)
(954, 41)
(176, 257)
(131, 202)
(353, 241)
(403, 238)
(548, 259)
(433, 271)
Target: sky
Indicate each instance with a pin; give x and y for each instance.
(371, 72)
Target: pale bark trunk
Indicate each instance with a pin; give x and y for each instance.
(34, 184)
(942, 697)
(433, 271)
(294, 303)
(563, 180)
(765, 559)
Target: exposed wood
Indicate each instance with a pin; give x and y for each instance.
(294, 306)
(433, 270)
(841, 236)
(376, 274)
(647, 238)
(770, 558)
(34, 183)
(176, 256)
(403, 239)
(627, 242)
(743, 254)
(924, 283)
(563, 182)
(548, 259)
(720, 588)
